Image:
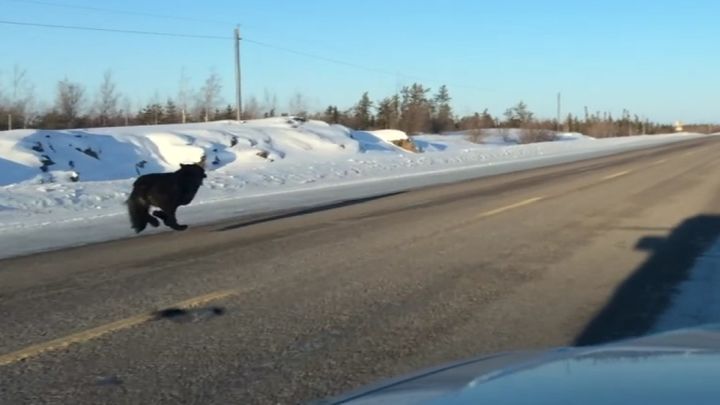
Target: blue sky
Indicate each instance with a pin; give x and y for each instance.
(659, 59)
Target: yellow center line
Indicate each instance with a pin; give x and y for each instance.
(84, 336)
(618, 174)
(659, 162)
(509, 207)
(690, 153)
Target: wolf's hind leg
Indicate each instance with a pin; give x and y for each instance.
(167, 215)
(161, 215)
(153, 221)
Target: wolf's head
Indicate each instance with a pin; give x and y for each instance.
(193, 172)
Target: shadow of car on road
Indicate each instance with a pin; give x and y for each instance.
(648, 292)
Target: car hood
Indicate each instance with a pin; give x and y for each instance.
(677, 367)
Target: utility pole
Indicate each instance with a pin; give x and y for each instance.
(558, 111)
(238, 78)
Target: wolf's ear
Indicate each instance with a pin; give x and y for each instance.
(201, 163)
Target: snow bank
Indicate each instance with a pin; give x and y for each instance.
(120, 153)
(253, 167)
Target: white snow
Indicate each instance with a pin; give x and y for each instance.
(254, 167)
(389, 135)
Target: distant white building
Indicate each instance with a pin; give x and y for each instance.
(678, 126)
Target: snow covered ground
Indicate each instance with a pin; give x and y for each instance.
(65, 188)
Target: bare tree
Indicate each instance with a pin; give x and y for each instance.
(4, 107)
(21, 97)
(69, 101)
(252, 109)
(210, 95)
(297, 105)
(184, 95)
(126, 110)
(107, 99)
(269, 104)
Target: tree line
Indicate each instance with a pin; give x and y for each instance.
(413, 109)
(75, 106)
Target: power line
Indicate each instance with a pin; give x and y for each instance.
(81, 28)
(357, 66)
(128, 12)
(313, 56)
(139, 13)
(168, 34)
(258, 43)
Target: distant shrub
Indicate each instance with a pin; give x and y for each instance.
(534, 135)
(475, 135)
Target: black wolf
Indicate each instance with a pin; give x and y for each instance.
(166, 191)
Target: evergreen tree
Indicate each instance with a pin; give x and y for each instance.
(487, 120)
(442, 112)
(228, 113)
(518, 115)
(332, 115)
(570, 124)
(171, 114)
(388, 114)
(362, 116)
(151, 114)
(415, 109)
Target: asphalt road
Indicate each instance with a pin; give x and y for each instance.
(299, 307)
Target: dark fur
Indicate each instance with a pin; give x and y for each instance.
(166, 191)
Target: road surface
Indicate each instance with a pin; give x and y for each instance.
(299, 306)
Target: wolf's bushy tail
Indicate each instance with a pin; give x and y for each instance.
(138, 211)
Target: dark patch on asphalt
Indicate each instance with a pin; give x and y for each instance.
(304, 211)
(182, 315)
(108, 380)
